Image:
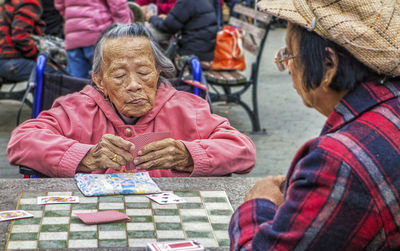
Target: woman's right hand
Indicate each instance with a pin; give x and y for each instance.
(111, 152)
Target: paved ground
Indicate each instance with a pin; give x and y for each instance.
(287, 121)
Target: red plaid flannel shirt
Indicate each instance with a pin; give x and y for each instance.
(343, 187)
(18, 20)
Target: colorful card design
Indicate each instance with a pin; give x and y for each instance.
(14, 214)
(116, 183)
(143, 139)
(174, 246)
(57, 199)
(166, 198)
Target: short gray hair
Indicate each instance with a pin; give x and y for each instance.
(133, 30)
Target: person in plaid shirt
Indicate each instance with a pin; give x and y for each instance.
(18, 20)
(342, 190)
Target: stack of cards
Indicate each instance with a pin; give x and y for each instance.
(14, 214)
(166, 198)
(174, 246)
(143, 139)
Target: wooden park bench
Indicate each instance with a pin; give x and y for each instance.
(234, 83)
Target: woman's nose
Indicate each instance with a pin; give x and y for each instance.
(133, 84)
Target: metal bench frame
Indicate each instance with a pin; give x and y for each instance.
(234, 79)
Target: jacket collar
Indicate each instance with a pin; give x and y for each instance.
(164, 93)
(361, 99)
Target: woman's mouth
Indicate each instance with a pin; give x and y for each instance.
(136, 101)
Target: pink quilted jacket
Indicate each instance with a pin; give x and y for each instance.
(86, 20)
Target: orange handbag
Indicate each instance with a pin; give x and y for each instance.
(228, 54)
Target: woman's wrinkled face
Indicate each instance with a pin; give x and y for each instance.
(129, 75)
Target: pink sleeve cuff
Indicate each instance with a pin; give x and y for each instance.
(200, 159)
(71, 159)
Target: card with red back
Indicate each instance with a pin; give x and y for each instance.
(103, 217)
(143, 139)
(14, 214)
(175, 246)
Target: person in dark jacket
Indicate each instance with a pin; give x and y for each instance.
(54, 21)
(196, 21)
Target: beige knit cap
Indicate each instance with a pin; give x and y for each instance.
(369, 29)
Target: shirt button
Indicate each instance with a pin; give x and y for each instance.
(128, 132)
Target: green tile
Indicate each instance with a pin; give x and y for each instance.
(32, 195)
(219, 226)
(112, 243)
(138, 205)
(31, 207)
(220, 212)
(74, 220)
(77, 193)
(168, 226)
(167, 239)
(194, 219)
(187, 193)
(224, 243)
(141, 218)
(191, 205)
(166, 212)
(119, 210)
(82, 235)
(30, 221)
(23, 236)
(84, 206)
(57, 213)
(112, 226)
(118, 198)
(199, 234)
(214, 199)
(53, 244)
(141, 234)
(54, 228)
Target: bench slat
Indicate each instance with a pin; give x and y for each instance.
(232, 77)
(249, 28)
(260, 16)
(250, 46)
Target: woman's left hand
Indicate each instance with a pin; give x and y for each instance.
(164, 154)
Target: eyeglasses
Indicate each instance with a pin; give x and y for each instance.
(282, 58)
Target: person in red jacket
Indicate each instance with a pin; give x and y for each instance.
(19, 19)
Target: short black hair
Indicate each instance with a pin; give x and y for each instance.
(313, 52)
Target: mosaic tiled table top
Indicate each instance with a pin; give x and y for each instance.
(204, 217)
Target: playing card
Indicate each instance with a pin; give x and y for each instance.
(143, 139)
(174, 246)
(103, 217)
(14, 214)
(166, 198)
(57, 199)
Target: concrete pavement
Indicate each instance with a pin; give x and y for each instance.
(287, 121)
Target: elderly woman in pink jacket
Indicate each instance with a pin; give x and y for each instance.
(84, 23)
(89, 131)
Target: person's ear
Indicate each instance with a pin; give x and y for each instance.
(98, 80)
(331, 67)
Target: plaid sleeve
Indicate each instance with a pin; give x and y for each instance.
(326, 206)
(23, 25)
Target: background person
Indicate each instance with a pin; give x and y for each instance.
(196, 21)
(342, 190)
(88, 131)
(84, 23)
(19, 19)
